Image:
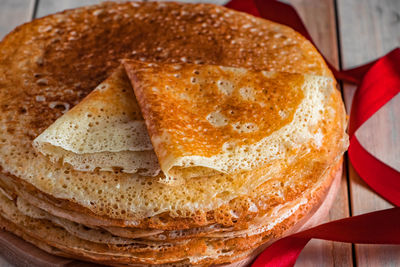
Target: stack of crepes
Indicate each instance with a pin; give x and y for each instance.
(197, 133)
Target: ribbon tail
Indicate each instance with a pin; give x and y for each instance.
(379, 227)
(282, 253)
(381, 178)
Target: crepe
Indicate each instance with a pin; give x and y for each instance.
(207, 119)
(81, 242)
(51, 64)
(105, 131)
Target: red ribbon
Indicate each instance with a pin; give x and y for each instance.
(380, 227)
(380, 84)
(378, 81)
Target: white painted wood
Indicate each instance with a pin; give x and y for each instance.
(384, 124)
(319, 18)
(14, 13)
(46, 7)
(369, 29)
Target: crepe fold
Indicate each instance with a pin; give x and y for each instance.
(208, 119)
(203, 120)
(104, 131)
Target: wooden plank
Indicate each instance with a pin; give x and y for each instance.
(369, 29)
(4, 262)
(21, 253)
(46, 7)
(319, 18)
(14, 13)
(388, 151)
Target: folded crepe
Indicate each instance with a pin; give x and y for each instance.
(205, 119)
(104, 131)
(202, 120)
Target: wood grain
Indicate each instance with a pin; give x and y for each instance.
(322, 28)
(386, 125)
(22, 253)
(369, 29)
(14, 13)
(46, 7)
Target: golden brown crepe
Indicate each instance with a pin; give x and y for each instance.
(51, 64)
(207, 119)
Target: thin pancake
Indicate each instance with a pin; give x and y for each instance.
(105, 130)
(207, 118)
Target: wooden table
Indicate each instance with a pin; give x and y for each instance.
(349, 33)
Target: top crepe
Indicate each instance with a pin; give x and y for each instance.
(207, 119)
